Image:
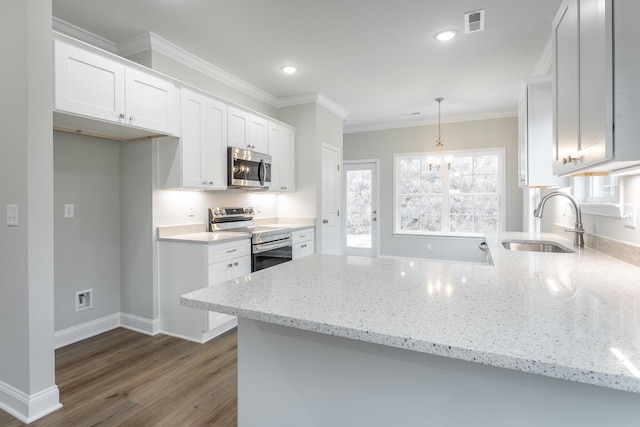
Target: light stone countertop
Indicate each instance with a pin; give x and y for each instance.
(573, 316)
(207, 238)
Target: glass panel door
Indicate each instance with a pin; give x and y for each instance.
(361, 208)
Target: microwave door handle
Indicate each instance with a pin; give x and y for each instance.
(262, 172)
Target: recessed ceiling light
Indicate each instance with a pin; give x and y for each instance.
(446, 35)
(289, 69)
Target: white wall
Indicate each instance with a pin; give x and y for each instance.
(26, 179)
(456, 136)
(87, 247)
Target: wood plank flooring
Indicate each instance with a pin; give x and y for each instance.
(123, 378)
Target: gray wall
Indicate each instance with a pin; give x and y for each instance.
(456, 136)
(26, 179)
(87, 247)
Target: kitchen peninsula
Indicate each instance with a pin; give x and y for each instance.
(535, 339)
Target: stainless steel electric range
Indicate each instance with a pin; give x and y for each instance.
(270, 245)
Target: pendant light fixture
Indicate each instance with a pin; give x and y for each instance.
(439, 158)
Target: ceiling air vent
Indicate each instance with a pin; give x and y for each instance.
(474, 21)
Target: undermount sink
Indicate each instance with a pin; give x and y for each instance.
(534, 246)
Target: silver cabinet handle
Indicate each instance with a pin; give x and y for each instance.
(232, 250)
(325, 221)
(132, 118)
(374, 219)
(569, 159)
(230, 265)
(235, 263)
(303, 246)
(121, 116)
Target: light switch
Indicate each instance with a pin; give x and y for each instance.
(69, 211)
(12, 215)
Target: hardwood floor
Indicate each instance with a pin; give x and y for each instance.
(123, 378)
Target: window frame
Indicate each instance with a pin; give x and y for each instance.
(502, 188)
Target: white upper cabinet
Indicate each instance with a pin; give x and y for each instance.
(247, 131)
(282, 148)
(595, 74)
(198, 158)
(535, 135)
(151, 102)
(102, 90)
(88, 83)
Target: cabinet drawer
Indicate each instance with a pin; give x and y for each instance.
(226, 251)
(300, 236)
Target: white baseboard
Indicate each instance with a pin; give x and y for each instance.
(28, 408)
(86, 330)
(104, 324)
(209, 335)
(140, 324)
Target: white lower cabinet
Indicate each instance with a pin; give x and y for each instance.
(303, 243)
(186, 267)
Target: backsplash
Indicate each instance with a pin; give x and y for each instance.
(623, 251)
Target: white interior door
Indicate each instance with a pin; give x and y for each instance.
(360, 219)
(330, 194)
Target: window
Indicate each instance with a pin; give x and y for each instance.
(466, 199)
(599, 195)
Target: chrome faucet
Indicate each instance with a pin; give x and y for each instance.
(578, 237)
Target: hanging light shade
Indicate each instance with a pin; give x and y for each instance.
(439, 158)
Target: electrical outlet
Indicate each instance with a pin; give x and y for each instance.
(629, 216)
(84, 299)
(69, 211)
(191, 210)
(12, 215)
(429, 247)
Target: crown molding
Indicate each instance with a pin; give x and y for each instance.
(332, 106)
(317, 98)
(543, 66)
(429, 122)
(83, 35)
(153, 41)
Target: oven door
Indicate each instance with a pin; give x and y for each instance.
(248, 169)
(267, 255)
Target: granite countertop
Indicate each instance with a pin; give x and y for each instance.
(574, 316)
(206, 238)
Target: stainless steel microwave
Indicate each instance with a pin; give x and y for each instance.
(248, 169)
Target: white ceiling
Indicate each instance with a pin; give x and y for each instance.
(376, 59)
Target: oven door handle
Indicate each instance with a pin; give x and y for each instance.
(264, 247)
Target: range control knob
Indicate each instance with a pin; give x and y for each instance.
(223, 212)
(216, 212)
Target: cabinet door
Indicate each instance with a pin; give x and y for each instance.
(151, 102)
(596, 82)
(303, 249)
(523, 177)
(238, 267)
(88, 84)
(566, 87)
(283, 155)
(214, 144)
(194, 158)
(238, 128)
(288, 156)
(258, 134)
